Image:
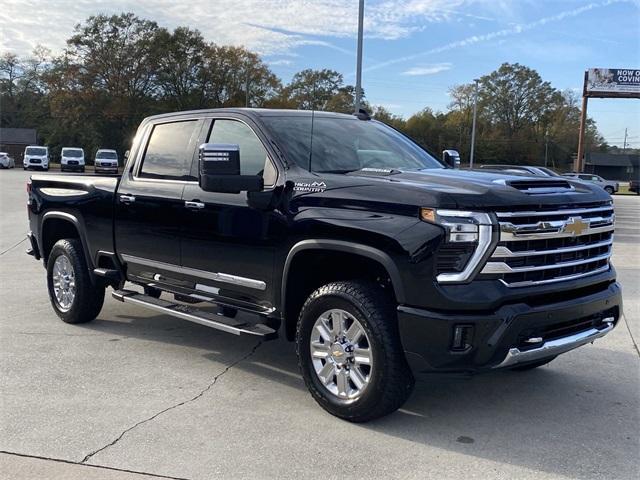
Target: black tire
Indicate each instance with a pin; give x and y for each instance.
(390, 382)
(89, 297)
(152, 292)
(609, 190)
(531, 366)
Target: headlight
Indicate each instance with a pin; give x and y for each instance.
(473, 229)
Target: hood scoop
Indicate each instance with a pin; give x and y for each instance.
(535, 187)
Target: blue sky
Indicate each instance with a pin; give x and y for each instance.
(414, 49)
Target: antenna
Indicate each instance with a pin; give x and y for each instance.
(313, 114)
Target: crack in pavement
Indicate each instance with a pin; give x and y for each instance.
(89, 465)
(633, 340)
(11, 248)
(184, 402)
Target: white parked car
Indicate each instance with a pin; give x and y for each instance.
(6, 161)
(72, 159)
(106, 161)
(36, 156)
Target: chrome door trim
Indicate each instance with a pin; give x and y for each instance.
(215, 276)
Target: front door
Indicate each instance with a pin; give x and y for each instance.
(228, 245)
(149, 205)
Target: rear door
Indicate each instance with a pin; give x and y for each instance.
(149, 205)
(228, 245)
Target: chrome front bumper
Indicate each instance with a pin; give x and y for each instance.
(555, 347)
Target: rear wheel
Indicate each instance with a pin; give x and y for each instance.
(349, 351)
(73, 296)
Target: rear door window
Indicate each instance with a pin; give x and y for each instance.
(170, 150)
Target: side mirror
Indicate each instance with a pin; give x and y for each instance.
(126, 155)
(219, 170)
(451, 158)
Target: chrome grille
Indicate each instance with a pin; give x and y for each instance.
(538, 247)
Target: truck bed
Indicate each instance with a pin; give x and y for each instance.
(88, 200)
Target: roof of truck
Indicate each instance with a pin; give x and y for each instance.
(254, 112)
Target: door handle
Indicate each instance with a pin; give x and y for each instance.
(127, 199)
(194, 205)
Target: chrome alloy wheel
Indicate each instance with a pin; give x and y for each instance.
(341, 354)
(64, 283)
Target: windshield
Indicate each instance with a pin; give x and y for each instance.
(109, 155)
(73, 153)
(35, 151)
(343, 144)
(548, 171)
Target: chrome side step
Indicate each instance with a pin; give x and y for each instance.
(186, 312)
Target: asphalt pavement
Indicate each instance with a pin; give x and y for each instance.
(134, 393)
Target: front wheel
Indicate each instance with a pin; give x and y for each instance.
(609, 190)
(73, 296)
(349, 351)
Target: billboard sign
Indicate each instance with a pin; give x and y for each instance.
(613, 81)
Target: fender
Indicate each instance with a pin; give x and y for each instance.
(348, 247)
(79, 225)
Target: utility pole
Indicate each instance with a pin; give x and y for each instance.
(546, 146)
(624, 144)
(578, 164)
(473, 125)
(359, 58)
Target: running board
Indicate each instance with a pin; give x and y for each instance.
(186, 312)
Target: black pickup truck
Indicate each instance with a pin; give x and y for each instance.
(339, 233)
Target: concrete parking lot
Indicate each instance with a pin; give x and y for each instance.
(135, 393)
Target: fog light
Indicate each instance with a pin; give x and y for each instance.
(462, 336)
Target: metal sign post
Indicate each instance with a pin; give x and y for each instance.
(604, 83)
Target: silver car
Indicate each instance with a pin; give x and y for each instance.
(609, 185)
(6, 161)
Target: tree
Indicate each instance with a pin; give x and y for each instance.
(236, 77)
(22, 92)
(180, 76)
(314, 89)
(514, 96)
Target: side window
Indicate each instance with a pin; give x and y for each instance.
(253, 156)
(170, 151)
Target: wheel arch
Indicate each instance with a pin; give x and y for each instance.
(370, 258)
(57, 225)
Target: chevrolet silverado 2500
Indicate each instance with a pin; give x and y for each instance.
(341, 234)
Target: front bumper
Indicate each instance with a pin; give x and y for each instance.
(106, 168)
(503, 338)
(71, 168)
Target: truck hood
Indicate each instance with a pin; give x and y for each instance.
(449, 188)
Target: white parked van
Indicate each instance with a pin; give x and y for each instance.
(36, 156)
(106, 161)
(72, 159)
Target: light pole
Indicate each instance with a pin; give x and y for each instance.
(359, 58)
(473, 125)
(546, 146)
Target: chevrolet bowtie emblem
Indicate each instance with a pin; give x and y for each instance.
(575, 226)
(337, 353)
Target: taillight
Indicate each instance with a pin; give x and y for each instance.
(29, 187)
